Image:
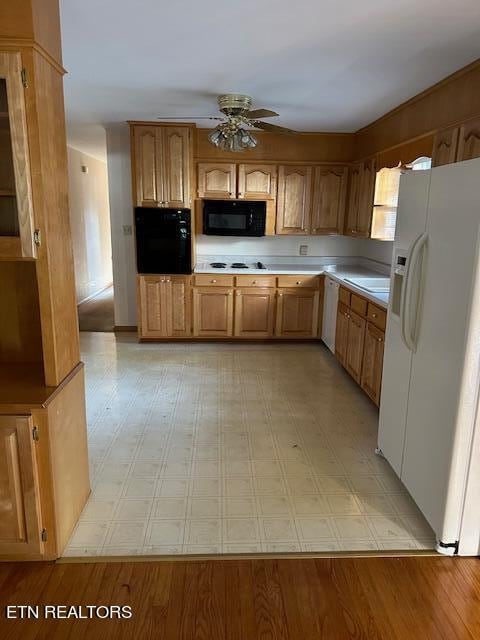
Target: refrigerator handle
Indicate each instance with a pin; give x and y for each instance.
(408, 331)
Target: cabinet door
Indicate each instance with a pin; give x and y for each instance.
(213, 311)
(293, 199)
(356, 337)
(365, 199)
(16, 209)
(147, 143)
(469, 140)
(20, 528)
(353, 200)
(445, 147)
(373, 362)
(297, 313)
(176, 164)
(257, 181)
(152, 302)
(179, 311)
(217, 180)
(254, 313)
(328, 202)
(341, 333)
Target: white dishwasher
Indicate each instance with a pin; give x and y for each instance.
(330, 313)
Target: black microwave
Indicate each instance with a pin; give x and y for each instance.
(234, 217)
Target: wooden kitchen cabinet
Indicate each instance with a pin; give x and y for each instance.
(356, 337)
(297, 313)
(469, 140)
(16, 208)
(341, 333)
(254, 312)
(217, 180)
(445, 144)
(371, 379)
(161, 165)
(20, 524)
(257, 181)
(212, 312)
(360, 199)
(294, 199)
(329, 199)
(164, 306)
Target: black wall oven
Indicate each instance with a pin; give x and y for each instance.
(234, 217)
(163, 240)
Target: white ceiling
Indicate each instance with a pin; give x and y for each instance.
(323, 65)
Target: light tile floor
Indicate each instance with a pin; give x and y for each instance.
(234, 448)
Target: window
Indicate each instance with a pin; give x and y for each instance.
(420, 164)
(385, 203)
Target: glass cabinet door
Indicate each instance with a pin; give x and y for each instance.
(16, 215)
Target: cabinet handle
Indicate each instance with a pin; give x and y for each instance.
(374, 315)
(238, 294)
(298, 282)
(380, 339)
(254, 282)
(229, 293)
(213, 281)
(280, 295)
(239, 194)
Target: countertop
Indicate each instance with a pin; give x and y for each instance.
(338, 270)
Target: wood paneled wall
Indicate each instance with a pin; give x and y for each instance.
(454, 99)
(305, 147)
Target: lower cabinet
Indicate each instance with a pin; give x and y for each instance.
(20, 526)
(356, 335)
(373, 362)
(359, 341)
(213, 312)
(44, 472)
(297, 313)
(254, 313)
(164, 306)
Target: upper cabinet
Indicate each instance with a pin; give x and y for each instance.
(162, 165)
(293, 199)
(360, 199)
(257, 181)
(328, 201)
(469, 140)
(217, 180)
(16, 210)
(229, 181)
(445, 147)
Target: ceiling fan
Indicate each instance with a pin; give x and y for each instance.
(231, 134)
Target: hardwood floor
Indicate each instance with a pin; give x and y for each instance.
(403, 598)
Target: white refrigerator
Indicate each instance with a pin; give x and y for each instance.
(430, 389)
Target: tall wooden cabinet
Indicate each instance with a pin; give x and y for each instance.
(44, 479)
(360, 199)
(162, 164)
(293, 199)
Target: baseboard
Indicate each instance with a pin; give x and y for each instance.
(120, 328)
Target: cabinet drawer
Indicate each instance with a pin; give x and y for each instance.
(255, 281)
(312, 282)
(213, 280)
(344, 296)
(377, 316)
(358, 304)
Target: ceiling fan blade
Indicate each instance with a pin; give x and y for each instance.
(266, 126)
(189, 118)
(261, 113)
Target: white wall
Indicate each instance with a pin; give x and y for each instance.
(121, 213)
(380, 250)
(90, 223)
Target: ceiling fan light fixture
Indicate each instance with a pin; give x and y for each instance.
(230, 138)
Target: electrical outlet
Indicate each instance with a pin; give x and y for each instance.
(127, 229)
(303, 250)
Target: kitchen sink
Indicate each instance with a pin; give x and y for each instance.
(374, 285)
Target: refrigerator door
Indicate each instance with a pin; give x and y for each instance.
(411, 222)
(444, 373)
(329, 323)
